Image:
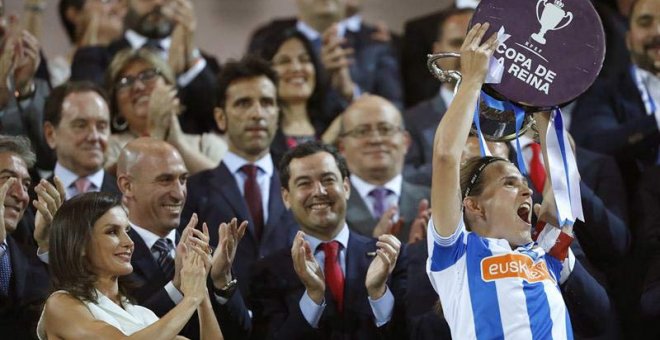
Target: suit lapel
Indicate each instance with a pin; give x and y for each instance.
(358, 216)
(19, 267)
(143, 260)
(357, 263)
(275, 207)
(225, 185)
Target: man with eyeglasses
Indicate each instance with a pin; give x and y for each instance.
(77, 127)
(374, 143)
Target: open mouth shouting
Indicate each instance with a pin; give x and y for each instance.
(525, 212)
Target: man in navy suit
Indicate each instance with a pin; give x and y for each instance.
(332, 283)
(622, 118)
(374, 66)
(24, 280)
(422, 119)
(169, 30)
(374, 143)
(152, 177)
(246, 184)
(77, 128)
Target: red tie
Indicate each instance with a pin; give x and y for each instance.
(252, 194)
(334, 277)
(536, 169)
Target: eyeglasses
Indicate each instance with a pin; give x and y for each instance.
(382, 130)
(146, 77)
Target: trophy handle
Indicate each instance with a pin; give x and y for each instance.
(443, 75)
(538, 15)
(568, 15)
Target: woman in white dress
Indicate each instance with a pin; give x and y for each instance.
(90, 250)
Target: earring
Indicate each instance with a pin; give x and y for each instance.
(119, 123)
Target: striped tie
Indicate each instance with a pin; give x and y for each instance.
(161, 251)
(5, 270)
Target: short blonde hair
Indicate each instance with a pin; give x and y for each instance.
(126, 57)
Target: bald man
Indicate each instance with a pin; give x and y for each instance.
(374, 142)
(152, 178)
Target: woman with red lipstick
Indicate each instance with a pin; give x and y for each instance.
(90, 251)
(301, 92)
(143, 102)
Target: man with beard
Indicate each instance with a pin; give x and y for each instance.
(77, 127)
(622, 118)
(245, 185)
(168, 27)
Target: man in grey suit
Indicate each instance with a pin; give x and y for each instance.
(422, 119)
(374, 143)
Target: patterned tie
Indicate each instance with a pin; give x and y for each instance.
(5, 269)
(334, 277)
(536, 169)
(252, 194)
(82, 185)
(161, 251)
(379, 195)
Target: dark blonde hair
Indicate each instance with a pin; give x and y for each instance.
(122, 60)
(70, 234)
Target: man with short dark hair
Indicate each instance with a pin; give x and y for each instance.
(422, 119)
(245, 185)
(332, 283)
(77, 127)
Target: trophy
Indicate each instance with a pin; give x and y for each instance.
(537, 72)
(552, 14)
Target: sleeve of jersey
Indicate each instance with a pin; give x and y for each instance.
(445, 251)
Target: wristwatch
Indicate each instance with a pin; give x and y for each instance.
(227, 291)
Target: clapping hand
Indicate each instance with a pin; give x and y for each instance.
(49, 199)
(307, 268)
(223, 257)
(181, 50)
(385, 224)
(336, 60)
(418, 227)
(382, 266)
(163, 104)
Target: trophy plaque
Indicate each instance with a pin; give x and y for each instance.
(554, 53)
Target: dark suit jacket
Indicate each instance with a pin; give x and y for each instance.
(90, 63)
(361, 221)
(421, 122)
(28, 120)
(148, 282)
(611, 119)
(216, 198)
(277, 291)
(375, 67)
(29, 288)
(418, 38)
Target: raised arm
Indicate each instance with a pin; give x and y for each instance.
(453, 130)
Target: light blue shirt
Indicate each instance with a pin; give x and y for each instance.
(382, 307)
(264, 174)
(69, 178)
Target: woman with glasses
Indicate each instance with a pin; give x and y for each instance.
(143, 102)
(301, 92)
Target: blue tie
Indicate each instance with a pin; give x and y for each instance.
(161, 250)
(5, 270)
